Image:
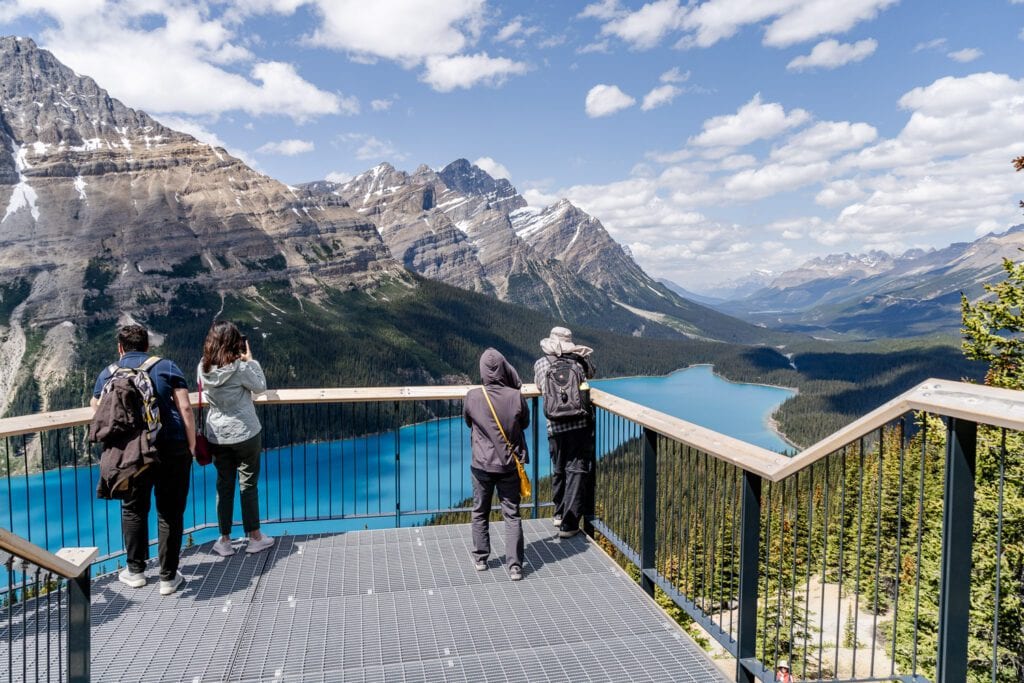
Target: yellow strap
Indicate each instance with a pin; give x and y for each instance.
(511, 450)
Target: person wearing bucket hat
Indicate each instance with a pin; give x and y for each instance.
(561, 375)
(782, 672)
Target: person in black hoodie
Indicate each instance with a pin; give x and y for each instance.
(497, 416)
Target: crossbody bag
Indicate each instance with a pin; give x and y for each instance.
(524, 481)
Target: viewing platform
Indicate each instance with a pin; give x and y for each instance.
(391, 605)
(849, 560)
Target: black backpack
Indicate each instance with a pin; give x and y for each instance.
(563, 399)
(133, 387)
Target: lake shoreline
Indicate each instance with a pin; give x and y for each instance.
(769, 422)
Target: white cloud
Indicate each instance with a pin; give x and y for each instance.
(831, 54)
(389, 29)
(662, 95)
(605, 9)
(177, 66)
(753, 121)
(370, 148)
(840, 192)
(493, 168)
(381, 104)
(604, 100)
(968, 54)
(771, 179)
(339, 177)
(824, 140)
(813, 18)
(287, 148)
(790, 21)
(509, 30)
(590, 48)
(936, 44)
(673, 75)
(646, 27)
(445, 74)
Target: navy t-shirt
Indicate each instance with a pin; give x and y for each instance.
(167, 377)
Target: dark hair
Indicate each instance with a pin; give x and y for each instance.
(223, 345)
(133, 338)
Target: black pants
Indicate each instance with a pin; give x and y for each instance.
(507, 485)
(169, 479)
(241, 460)
(573, 475)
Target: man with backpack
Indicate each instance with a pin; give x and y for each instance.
(561, 375)
(143, 415)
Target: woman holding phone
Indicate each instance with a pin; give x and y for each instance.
(229, 377)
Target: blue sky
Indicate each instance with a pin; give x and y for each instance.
(712, 138)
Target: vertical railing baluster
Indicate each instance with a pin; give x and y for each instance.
(999, 555)
(750, 540)
(898, 566)
(78, 627)
(648, 498)
(957, 541)
(535, 424)
(398, 465)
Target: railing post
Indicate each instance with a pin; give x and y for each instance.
(648, 509)
(535, 402)
(79, 623)
(398, 467)
(957, 539)
(750, 540)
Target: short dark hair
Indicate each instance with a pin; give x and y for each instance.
(133, 338)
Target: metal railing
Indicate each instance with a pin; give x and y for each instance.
(854, 560)
(45, 620)
(849, 559)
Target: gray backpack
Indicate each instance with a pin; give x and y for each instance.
(563, 399)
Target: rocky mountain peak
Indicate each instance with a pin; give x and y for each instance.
(469, 179)
(44, 101)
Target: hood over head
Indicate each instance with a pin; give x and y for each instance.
(496, 371)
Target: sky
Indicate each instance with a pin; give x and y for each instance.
(713, 138)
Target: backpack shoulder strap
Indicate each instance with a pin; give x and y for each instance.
(149, 363)
(112, 368)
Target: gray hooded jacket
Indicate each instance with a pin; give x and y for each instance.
(232, 416)
(501, 381)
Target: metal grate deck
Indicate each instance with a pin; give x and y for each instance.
(397, 605)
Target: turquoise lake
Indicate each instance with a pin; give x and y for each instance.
(357, 482)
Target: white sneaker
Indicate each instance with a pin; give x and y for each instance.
(132, 579)
(223, 548)
(168, 587)
(260, 544)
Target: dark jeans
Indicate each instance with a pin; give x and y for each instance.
(169, 479)
(573, 475)
(507, 485)
(244, 459)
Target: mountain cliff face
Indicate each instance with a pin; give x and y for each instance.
(877, 294)
(104, 212)
(463, 227)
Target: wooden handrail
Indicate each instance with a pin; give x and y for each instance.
(975, 402)
(67, 562)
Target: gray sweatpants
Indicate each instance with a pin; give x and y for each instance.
(507, 485)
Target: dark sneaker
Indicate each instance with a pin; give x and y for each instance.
(480, 565)
(515, 573)
(568, 533)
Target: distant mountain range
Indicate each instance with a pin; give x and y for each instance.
(879, 295)
(462, 227)
(106, 215)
